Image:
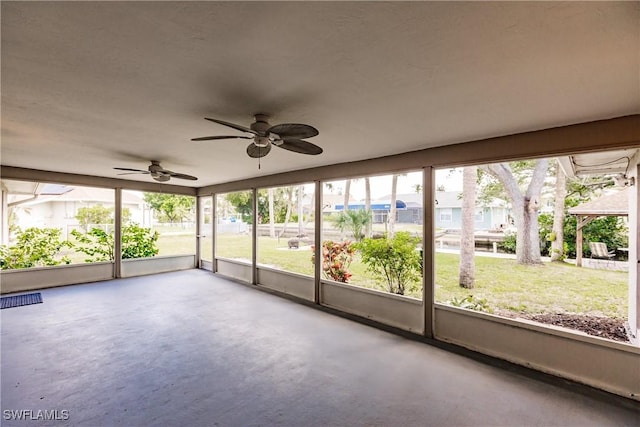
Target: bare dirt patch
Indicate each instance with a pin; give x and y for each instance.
(603, 327)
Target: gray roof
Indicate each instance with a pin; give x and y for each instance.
(612, 204)
(453, 199)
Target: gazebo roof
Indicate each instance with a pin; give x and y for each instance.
(613, 204)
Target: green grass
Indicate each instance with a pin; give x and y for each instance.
(507, 286)
(177, 244)
(548, 288)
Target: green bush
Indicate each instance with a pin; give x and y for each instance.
(508, 245)
(137, 242)
(395, 261)
(34, 247)
(610, 230)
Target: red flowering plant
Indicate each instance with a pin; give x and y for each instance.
(336, 258)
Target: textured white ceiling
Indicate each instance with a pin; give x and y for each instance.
(87, 86)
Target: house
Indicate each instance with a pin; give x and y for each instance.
(56, 206)
(494, 215)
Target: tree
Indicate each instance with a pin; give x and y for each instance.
(300, 210)
(347, 191)
(272, 224)
(137, 242)
(171, 207)
(242, 202)
(557, 234)
(34, 247)
(392, 206)
(289, 193)
(355, 221)
(99, 215)
(467, 239)
(367, 205)
(525, 207)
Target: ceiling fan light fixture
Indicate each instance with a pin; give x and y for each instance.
(261, 141)
(161, 177)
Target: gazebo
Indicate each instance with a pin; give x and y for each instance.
(612, 204)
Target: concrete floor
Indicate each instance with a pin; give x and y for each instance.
(192, 349)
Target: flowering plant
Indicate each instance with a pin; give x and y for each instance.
(336, 258)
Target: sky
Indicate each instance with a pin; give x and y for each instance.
(381, 185)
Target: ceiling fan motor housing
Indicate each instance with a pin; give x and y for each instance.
(261, 126)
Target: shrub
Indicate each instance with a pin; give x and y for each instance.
(508, 245)
(610, 230)
(137, 242)
(394, 261)
(336, 258)
(35, 247)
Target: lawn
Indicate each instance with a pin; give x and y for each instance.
(547, 288)
(506, 286)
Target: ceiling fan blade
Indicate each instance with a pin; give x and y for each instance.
(232, 125)
(256, 152)
(300, 146)
(182, 176)
(134, 173)
(294, 131)
(131, 170)
(211, 138)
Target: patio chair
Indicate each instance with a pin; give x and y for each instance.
(599, 251)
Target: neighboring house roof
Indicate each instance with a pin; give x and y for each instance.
(612, 204)
(453, 199)
(86, 194)
(332, 200)
(448, 199)
(405, 197)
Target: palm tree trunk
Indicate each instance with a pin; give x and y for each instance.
(392, 207)
(467, 240)
(347, 190)
(300, 210)
(367, 205)
(272, 224)
(557, 244)
(287, 216)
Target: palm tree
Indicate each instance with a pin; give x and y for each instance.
(272, 224)
(392, 207)
(300, 210)
(467, 241)
(367, 205)
(287, 216)
(557, 244)
(347, 190)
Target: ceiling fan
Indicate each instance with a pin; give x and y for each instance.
(157, 172)
(288, 136)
